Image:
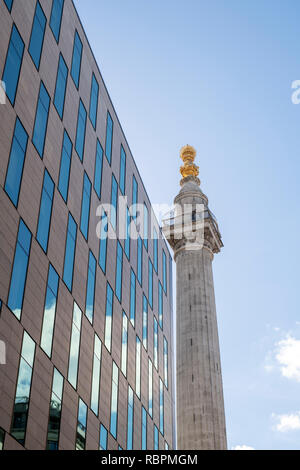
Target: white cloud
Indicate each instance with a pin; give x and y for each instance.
(288, 356)
(287, 422)
(242, 447)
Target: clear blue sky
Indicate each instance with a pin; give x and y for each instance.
(217, 74)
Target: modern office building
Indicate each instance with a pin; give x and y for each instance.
(85, 322)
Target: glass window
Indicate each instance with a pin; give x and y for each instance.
(108, 316)
(160, 304)
(130, 419)
(144, 429)
(81, 426)
(85, 206)
(122, 170)
(166, 446)
(65, 166)
(70, 253)
(166, 361)
(145, 322)
(156, 438)
(55, 411)
(103, 438)
(155, 250)
(127, 239)
(19, 271)
(150, 388)
(41, 121)
(43, 229)
(74, 346)
(155, 342)
(49, 311)
(16, 163)
(81, 128)
(76, 59)
(9, 4)
(61, 86)
(94, 101)
(114, 202)
(138, 368)
(98, 169)
(109, 137)
(96, 376)
(140, 261)
(132, 297)
(103, 242)
(21, 403)
(2, 438)
(150, 283)
(145, 226)
(114, 401)
(13, 64)
(124, 344)
(161, 407)
(90, 288)
(119, 270)
(55, 19)
(171, 282)
(37, 35)
(164, 271)
(134, 197)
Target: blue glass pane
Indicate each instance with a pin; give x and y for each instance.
(155, 438)
(155, 343)
(65, 165)
(146, 226)
(155, 250)
(114, 402)
(109, 137)
(85, 207)
(98, 169)
(114, 202)
(108, 316)
(145, 322)
(119, 270)
(70, 253)
(140, 261)
(127, 240)
(130, 420)
(49, 311)
(81, 127)
(61, 85)
(16, 163)
(150, 284)
(134, 196)
(9, 4)
(122, 170)
(132, 297)
(161, 407)
(90, 289)
(94, 101)
(19, 272)
(74, 346)
(103, 438)
(55, 19)
(76, 60)
(160, 304)
(41, 120)
(103, 242)
(144, 429)
(45, 212)
(13, 64)
(37, 35)
(164, 272)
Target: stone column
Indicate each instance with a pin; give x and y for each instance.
(200, 404)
